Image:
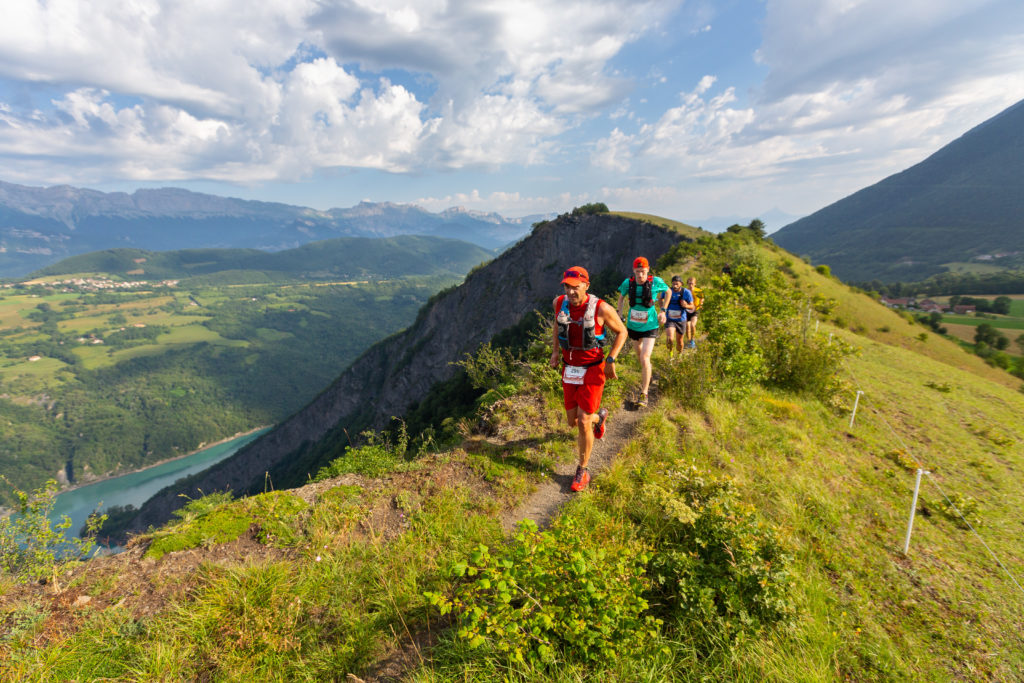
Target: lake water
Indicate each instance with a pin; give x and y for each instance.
(136, 488)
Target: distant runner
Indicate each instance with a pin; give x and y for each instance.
(642, 292)
(676, 313)
(579, 335)
(691, 320)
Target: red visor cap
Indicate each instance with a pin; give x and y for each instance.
(575, 275)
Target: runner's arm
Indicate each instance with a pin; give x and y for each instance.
(610, 319)
(687, 304)
(555, 355)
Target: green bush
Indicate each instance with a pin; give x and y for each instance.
(717, 568)
(277, 514)
(553, 596)
(592, 208)
(738, 356)
(799, 361)
(490, 367)
(377, 456)
(30, 548)
(693, 381)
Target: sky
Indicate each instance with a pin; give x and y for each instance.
(686, 109)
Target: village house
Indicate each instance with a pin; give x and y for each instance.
(964, 309)
(899, 302)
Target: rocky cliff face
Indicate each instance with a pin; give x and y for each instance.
(400, 370)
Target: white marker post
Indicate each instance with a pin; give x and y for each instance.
(913, 509)
(856, 402)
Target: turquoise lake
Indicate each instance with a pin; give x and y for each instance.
(137, 487)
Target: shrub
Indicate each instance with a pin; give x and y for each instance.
(30, 548)
(592, 208)
(738, 356)
(553, 596)
(716, 565)
(490, 368)
(377, 456)
(798, 361)
(824, 270)
(693, 381)
(277, 513)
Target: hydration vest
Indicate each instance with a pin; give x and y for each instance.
(587, 322)
(646, 300)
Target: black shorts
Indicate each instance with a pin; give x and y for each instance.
(635, 334)
(692, 316)
(677, 325)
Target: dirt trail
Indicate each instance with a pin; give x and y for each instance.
(542, 505)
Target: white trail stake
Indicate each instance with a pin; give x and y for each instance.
(913, 509)
(856, 401)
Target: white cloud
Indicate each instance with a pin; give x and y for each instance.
(266, 90)
(613, 152)
(856, 90)
(506, 203)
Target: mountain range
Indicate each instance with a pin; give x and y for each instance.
(961, 207)
(40, 226)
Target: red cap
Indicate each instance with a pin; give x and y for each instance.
(575, 275)
(640, 262)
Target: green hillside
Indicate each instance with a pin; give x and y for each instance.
(96, 380)
(745, 531)
(960, 205)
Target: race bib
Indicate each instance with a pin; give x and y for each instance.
(638, 315)
(573, 374)
(674, 314)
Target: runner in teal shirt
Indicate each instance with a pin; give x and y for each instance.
(638, 313)
(643, 321)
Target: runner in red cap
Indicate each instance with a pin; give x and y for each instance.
(647, 296)
(579, 337)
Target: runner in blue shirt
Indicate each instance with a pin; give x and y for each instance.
(679, 307)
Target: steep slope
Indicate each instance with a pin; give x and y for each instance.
(964, 201)
(39, 226)
(393, 374)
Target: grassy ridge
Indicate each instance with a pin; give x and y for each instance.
(334, 580)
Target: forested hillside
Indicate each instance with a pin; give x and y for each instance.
(749, 527)
(345, 258)
(105, 374)
(961, 207)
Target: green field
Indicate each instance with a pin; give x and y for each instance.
(1005, 322)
